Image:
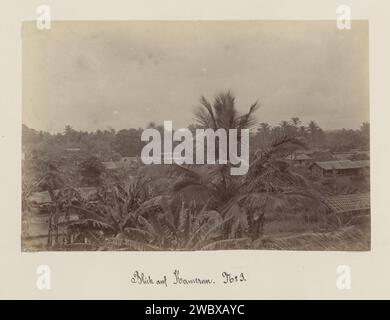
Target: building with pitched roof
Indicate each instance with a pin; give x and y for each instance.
(340, 168)
(299, 159)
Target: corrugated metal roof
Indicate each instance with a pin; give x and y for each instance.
(343, 164)
(348, 202)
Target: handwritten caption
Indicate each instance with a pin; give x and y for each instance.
(176, 278)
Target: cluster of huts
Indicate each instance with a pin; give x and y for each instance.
(323, 163)
(36, 221)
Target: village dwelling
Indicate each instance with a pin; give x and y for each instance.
(299, 159)
(341, 168)
(350, 206)
(308, 156)
(322, 155)
(35, 222)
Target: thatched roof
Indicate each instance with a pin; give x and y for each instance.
(348, 202)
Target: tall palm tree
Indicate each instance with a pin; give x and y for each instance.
(51, 181)
(243, 200)
(264, 127)
(264, 133)
(312, 127)
(295, 121)
(302, 131)
(222, 114)
(316, 133)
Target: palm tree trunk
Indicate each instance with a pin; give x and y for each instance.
(49, 236)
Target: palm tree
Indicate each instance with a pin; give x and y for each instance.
(295, 121)
(242, 200)
(365, 135)
(153, 125)
(264, 127)
(283, 124)
(316, 133)
(264, 132)
(312, 127)
(302, 131)
(51, 181)
(222, 114)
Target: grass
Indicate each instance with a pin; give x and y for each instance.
(350, 238)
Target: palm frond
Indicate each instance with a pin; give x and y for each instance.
(147, 226)
(209, 108)
(176, 170)
(138, 234)
(248, 120)
(89, 224)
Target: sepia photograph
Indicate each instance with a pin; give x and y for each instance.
(195, 135)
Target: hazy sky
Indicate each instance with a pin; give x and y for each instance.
(95, 75)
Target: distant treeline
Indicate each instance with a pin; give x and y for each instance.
(314, 136)
(111, 144)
